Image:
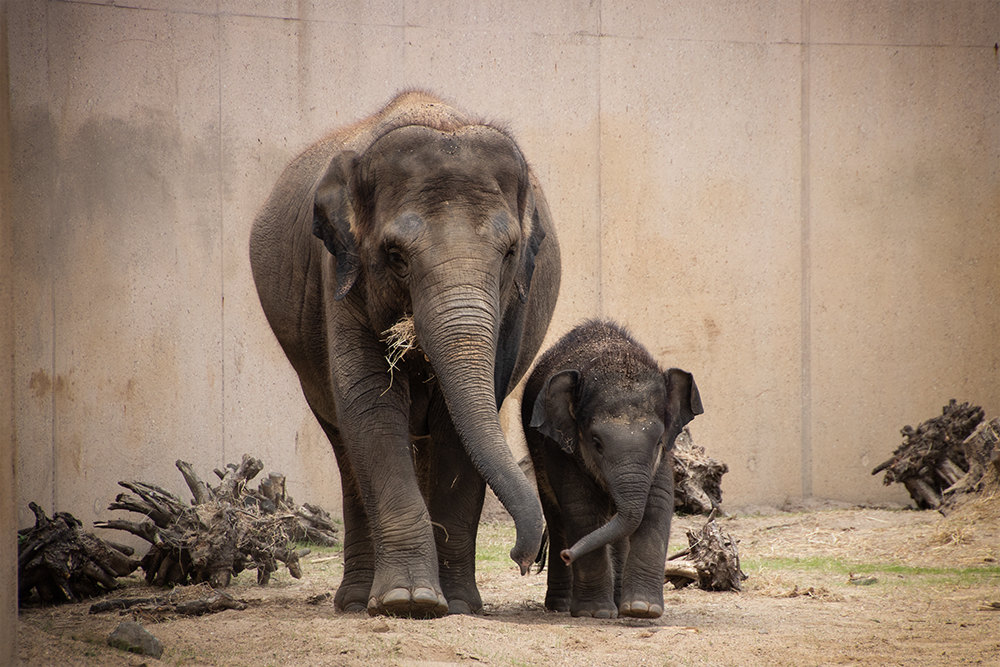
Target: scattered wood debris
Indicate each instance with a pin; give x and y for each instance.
(184, 600)
(60, 562)
(226, 529)
(945, 457)
(697, 478)
(711, 560)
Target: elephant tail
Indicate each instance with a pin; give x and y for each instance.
(543, 550)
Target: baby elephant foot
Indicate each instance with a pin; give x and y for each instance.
(594, 612)
(418, 603)
(640, 609)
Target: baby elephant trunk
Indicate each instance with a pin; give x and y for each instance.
(629, 490)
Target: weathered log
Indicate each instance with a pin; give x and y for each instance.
(697, 478)
(239, 476)
(922, 492)
(681, 569)
(713, 559)
(932, 458)
(202, 494)
(58, 561)
(982, 452)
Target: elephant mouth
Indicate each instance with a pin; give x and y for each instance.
(399, 339)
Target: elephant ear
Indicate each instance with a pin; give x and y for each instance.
(553, 414)
(683, 402)
(534, 241)
(332, 213)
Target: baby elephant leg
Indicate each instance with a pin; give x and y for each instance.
(642, 576)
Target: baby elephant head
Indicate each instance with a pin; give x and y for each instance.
(618, 416)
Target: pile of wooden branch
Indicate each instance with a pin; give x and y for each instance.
(226, 529)
(61, 563)
(711, 560)
(945, 457)
(697, 478)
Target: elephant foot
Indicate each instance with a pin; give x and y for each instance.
(640, 609)
(557, 604)
(418, 603)
(352, 598)
(463, 607)
(595, 612)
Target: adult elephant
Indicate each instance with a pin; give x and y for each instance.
(423, 221)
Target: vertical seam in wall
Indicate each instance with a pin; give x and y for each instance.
(53, 448)
(222, 231)
(806, 267)
(600, 168)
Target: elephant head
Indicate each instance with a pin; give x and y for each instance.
(439, 225)
(619, 420)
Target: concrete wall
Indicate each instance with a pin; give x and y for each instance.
(8, 486)
(797, 201)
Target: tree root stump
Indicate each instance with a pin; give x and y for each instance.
(225, 530)
(712, 560)
(697, 478)
(59, 562)
(946, 457)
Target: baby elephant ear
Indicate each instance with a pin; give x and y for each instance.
(332, 215)
(683, 400)
(553, 412)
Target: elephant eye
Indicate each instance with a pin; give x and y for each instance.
(397, 262)
(598, 445)
(511, 251)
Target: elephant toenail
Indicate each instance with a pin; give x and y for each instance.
(425, 596)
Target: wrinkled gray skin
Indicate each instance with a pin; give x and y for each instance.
(416, 211)
(600, 418)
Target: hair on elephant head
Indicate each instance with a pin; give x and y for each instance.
(417, 228)
(601, 417)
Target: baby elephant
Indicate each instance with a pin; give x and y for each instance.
(600, 418)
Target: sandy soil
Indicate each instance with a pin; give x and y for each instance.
(842, 586)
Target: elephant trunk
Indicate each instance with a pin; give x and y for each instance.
(629, 490)
(457, 331)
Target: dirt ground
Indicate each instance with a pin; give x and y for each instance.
(826, 586)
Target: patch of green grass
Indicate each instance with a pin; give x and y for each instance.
(494, 542)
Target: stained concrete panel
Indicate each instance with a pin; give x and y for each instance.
(127, 280)
(8, 456)
(906, 209)
(700, 235)
(713, 21)
(32, 181)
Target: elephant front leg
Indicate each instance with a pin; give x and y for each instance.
(374, 429)
(642, 576)
(593, 573)
(454, 491)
